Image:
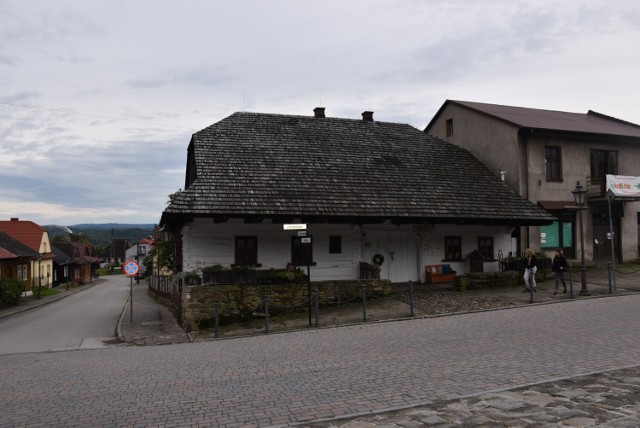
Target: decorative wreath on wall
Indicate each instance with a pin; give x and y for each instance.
(378, 259)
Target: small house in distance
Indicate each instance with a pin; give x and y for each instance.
(366, 192)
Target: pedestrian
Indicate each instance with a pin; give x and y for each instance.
(531, 267)
(559, 267)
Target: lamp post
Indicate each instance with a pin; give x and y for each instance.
(579, 196)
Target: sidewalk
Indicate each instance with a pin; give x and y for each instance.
(152, 323)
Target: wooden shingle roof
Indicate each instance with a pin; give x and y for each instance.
(253, 165)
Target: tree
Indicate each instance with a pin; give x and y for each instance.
(165, 253)
(174, 196)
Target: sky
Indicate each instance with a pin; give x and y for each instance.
(99, 99)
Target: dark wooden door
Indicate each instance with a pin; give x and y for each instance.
(602, 241)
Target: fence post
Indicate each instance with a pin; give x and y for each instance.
(215, 319)
(411, 298)
(265, 304)
(316, 296)
(364, 303)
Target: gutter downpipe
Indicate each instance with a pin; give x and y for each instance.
(524, 137)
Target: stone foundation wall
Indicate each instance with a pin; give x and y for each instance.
(242, 301)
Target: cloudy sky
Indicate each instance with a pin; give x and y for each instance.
(98, 99)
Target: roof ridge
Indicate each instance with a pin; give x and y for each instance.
(615, 119)
(300, 116)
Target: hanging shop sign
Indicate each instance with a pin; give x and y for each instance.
(623, 186)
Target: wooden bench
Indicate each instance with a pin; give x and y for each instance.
(435, 274)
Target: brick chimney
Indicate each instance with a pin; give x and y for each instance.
(318, 112)
(367, 116)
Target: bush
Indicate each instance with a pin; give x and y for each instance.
(10, 292)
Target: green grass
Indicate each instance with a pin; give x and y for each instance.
(46, 292)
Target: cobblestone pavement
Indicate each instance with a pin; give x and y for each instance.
(610, 399)
(456, 368)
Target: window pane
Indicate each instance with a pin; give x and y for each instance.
(453, 248)
(301, 253)
(613, 163)
(335, 244)
(553, 163)
(549, 235)
(246, 250)
(567, 235)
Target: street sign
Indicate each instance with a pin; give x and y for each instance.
(295, 226)
(130, 268)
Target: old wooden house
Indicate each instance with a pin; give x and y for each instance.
(367, 192)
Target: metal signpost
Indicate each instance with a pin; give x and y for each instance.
(131, 269)
(303, 234)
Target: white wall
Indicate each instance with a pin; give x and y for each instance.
(434, 244)
(206, 243)
(406, 249)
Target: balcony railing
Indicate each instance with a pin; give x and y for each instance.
(596, 187)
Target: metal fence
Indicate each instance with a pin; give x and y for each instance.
(313, 306)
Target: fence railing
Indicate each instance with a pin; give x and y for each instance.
(161, 285)
(364, 296)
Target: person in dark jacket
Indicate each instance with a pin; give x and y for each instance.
(531, 268)
(559, 267)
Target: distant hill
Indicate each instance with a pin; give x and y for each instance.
(101, 234)
(111, 226)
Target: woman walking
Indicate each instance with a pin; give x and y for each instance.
(559, 267)
(530, 271)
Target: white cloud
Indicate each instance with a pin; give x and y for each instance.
(99, 99)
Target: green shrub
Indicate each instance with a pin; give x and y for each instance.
(10, 292)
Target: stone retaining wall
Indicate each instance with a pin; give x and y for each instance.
(509, 278)
(241, 302)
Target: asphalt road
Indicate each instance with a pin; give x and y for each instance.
(82, 320)
(300, 377)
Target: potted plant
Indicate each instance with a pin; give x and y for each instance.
(191, 278)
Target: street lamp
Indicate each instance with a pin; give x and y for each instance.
(579, 195)
(166, 233)
(167, 236)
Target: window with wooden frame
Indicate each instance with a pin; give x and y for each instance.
(485, 247)
(553, 163)
(301, 251)
(449, 127)
(335, 244)
(246, 251)
(452, 248)
(603, 162)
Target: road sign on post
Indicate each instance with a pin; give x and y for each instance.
(131, 268)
